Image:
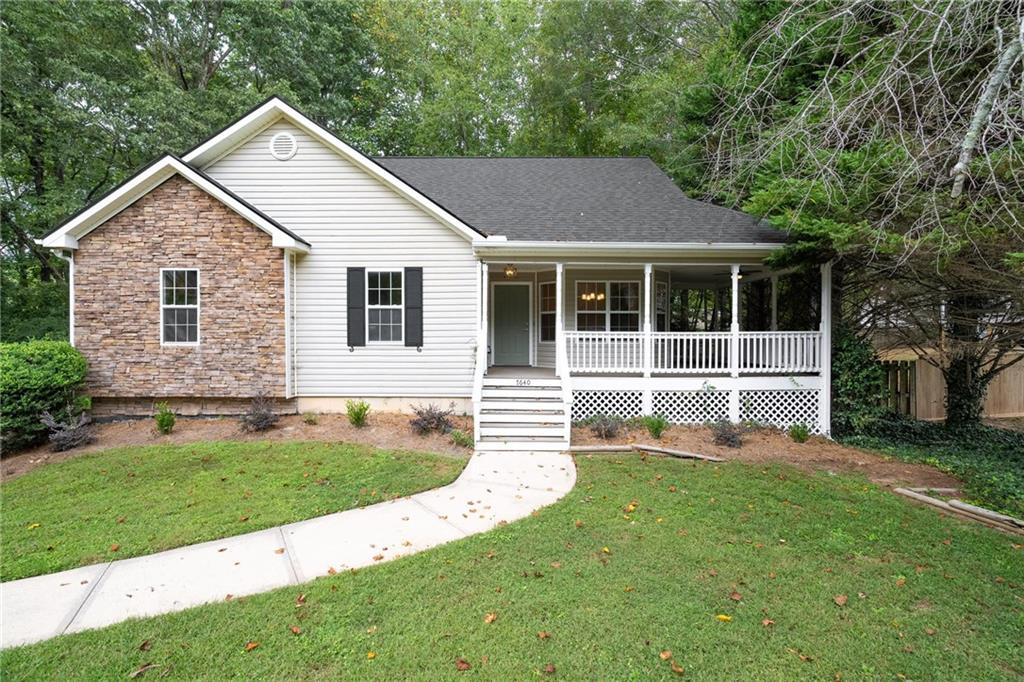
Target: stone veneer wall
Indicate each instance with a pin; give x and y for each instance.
(117, 302)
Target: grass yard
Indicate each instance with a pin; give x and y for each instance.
(138, 500)
(740, 571)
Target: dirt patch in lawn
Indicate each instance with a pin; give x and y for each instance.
(386, 430)
(769, 445)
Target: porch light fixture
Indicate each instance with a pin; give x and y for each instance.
(510, 271)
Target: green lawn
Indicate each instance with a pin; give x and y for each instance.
(926, 597)
(132, 501)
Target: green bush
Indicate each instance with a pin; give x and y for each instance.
(37, 377)
(461, 438)
(799, 433)
(311, 418)
(858, 384)
(724, 432)
(357, 411)
(655, 424)
(164, 418)
(606, 426)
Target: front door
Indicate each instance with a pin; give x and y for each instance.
(511, 324)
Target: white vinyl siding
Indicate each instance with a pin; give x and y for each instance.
(353, 220)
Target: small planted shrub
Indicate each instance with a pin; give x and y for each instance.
(357, 410)
(655, 424)
(37, 377)
(724, 432)
(461, 438)
(432, 418)
(261, 415)
(606, 426)
(311, 418)
(164, 418)
(69, 431)
(799, 433)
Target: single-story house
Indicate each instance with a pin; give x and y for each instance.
(276, 259)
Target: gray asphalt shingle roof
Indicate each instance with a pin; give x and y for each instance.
(574, 199)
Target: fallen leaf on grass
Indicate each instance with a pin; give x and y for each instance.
(556, 564)
(300, 600)
(146, 645)
(243, 518)
(249, 646)
(296, 630)
(839, 599)
(579, 523)
(900, 582)
(929, 631)
(462, 664)
(678, 669)
(665, 655)
(33, 526)
(605, 550)
(370, 655)
(736, 596)
(767, 622)
(724, 618)
(141, 670)
(549, 668)
(543, 634)
(114, 547)
(490, 617)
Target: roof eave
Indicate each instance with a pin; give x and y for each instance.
(497, 247)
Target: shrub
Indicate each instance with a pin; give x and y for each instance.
(858, 384)
(655, 424)
(432, 418)
(69, 431)
(606, 426)
(311, 418)
(357, 411)
(799, 433)
(37, 377)
(724, 432)
(462, 439)
(164, 418)
(261, 415)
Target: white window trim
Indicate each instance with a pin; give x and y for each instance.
(658, 287)
(530, 334)
(608, 302)
(541, 313)
(197, 306)
(367, 307)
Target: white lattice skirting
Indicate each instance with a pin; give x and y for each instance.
(625, 404)
(691, 407)
(782, 409)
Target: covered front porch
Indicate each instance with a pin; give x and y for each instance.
(695, 341)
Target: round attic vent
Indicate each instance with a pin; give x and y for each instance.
(283, 146)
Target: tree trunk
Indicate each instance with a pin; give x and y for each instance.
(965, 391)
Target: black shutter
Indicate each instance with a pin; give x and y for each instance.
(414, 307)
(356, 307)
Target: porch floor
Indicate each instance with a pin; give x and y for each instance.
(520, 371)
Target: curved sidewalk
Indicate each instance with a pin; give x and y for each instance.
(494, 487)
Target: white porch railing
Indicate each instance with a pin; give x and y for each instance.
(693, 353)
(780, 352)
(690, 352)
(605, 352)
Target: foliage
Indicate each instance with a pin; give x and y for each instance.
(609, 615)
(655, 425)
(724, 432)
(37, 377)
(310, 418)
(357, 411)
(261, 414)
(990, 461)
(462, 438)
(432, 418)
(799, 433)
(165, 418)
(606, 426)
(858, 383)
(149, 499)
(69, 431)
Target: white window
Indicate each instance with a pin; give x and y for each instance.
(661, 306)
(384, 307)
(547, 311)
(608, 306)
(179, 307)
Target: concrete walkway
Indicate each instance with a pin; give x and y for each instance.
(494, 487)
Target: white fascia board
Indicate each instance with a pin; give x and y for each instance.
(485, 247)
(68, 235)
(219, 145)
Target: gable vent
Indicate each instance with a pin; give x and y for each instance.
(283, 146)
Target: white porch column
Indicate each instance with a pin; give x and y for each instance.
(734, 346)
(775, 303)
(561, 359)
(825, 404)
(648, 346)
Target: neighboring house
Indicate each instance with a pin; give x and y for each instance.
(275, 259)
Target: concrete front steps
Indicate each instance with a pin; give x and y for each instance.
(524, 414)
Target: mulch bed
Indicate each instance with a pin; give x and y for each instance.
(763, 446)
(387, 430)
